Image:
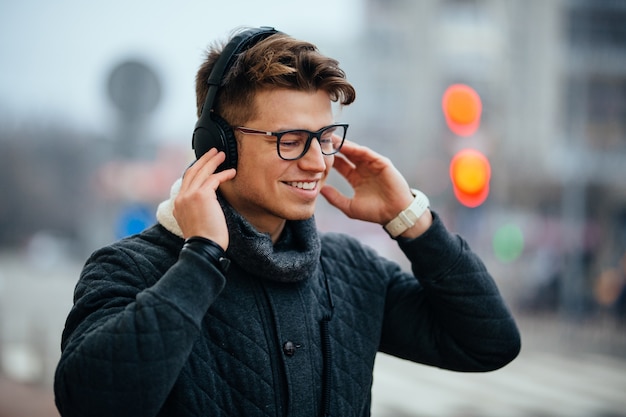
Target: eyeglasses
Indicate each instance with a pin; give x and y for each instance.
(293, 144)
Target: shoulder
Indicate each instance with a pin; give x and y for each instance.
(154, 249)
(154, 241)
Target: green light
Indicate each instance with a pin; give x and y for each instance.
(508, 243)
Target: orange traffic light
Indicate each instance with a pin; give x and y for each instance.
(462, 108)
(470, 172)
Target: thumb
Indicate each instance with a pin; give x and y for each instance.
(335, 198)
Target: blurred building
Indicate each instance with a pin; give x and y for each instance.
(552, 78)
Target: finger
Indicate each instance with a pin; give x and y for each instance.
(336, 199)
(214, 180)
(362, 155)
(213, 160)
(352, 151)
(343, 166)
(197, 165)
(226, 175)
(349, 146)
(203, 168)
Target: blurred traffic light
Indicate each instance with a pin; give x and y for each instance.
(462, 108)
(508, 243)
(470, 172)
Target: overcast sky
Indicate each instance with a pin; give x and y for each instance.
(55, 56)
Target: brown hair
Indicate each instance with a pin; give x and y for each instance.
(278, 61)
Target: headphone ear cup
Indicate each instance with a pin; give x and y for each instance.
(230, 143)
(216, 134)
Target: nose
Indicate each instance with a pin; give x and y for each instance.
(313, 159)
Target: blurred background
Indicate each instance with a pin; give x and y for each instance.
(510, 115)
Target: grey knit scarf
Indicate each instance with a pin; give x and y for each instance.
(293, 258)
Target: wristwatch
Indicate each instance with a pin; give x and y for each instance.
(210, 249)
(408, 217)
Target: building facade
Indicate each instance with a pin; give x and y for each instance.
(552, 79)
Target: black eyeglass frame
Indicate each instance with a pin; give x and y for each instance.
(310, 135)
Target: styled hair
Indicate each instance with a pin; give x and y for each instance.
(278, 61)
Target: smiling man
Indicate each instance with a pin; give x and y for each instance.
(233, 304)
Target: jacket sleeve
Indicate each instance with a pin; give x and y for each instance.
(454, 317)
(128, 336)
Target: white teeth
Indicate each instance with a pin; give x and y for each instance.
(303, 185)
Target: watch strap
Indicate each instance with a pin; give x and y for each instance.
(210, 249)
(409, 216)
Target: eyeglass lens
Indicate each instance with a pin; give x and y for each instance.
(295, 143)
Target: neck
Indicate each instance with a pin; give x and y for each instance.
(275, 234)
(262, 220)
(274, 229)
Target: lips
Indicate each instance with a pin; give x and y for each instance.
(303, 185)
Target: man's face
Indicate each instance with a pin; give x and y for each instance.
(267, 189)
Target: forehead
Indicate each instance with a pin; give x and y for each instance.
(285, 109)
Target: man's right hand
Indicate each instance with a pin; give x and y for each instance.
(196, 208)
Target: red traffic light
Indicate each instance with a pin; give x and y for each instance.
(462, 108)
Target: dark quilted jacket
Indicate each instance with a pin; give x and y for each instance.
(154, 335)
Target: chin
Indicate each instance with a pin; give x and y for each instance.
(300, 215)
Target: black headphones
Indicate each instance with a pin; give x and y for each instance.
(211, 130)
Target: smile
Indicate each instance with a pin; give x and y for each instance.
(303, 185)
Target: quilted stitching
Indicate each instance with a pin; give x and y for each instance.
(227, 360)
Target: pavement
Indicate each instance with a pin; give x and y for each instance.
(565, 381)
(18, 399)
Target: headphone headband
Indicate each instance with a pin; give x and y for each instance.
(235, 46)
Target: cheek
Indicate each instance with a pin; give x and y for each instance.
(259, 168)
(249, 158)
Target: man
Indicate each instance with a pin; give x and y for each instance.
(234, 305)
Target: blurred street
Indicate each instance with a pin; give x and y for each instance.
(23, 400)
(566, 369)
(558, 374)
